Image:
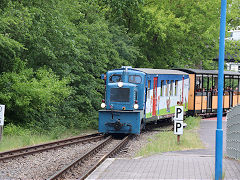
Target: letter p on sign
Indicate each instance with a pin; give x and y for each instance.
(178, 127)
(179, 113)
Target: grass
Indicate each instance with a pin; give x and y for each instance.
(11, 142)
(16, 137)
(167, 141)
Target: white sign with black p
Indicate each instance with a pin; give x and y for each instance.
(178, 113)
(2, 109)
(178, 127)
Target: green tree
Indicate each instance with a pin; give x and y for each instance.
(170, 33)
(180, 33)
(232, 49)
(28, 94)
(72, 38)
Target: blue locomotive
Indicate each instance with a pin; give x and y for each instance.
(135, 96)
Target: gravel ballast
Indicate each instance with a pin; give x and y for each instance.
(44, 164)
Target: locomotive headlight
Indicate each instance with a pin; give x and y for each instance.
(135, 106)
(120, 84)
(103, 105)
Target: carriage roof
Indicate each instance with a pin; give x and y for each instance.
(210, 72)
(160, 71)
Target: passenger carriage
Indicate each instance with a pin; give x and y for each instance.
(203, 91)
(135, 96)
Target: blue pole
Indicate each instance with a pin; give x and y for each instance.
(219, 131)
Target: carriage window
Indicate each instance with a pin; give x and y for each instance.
(215, 85)
(135, 79)
(115, 78)
(228, 85)
(235, 86)
(198, 87)
(176, 88)
(171, 88)
(205, 84)
(148, 89)
(167, 88)
(210, 83)
(162, 88)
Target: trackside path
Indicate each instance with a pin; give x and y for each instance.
(191, 164)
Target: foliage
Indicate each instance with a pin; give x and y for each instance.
(47, 46)
(173, 33)
(233, 11)
(12, 129)
(232, 49)
(74, 40)
(183, 32)
(29, 94)
(122, 12)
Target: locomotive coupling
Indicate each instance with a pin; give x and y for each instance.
(118, 125)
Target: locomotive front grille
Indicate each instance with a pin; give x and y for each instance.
(119, 94)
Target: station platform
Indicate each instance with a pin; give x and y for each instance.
(190, 164)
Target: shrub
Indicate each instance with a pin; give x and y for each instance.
(29, 95)
(12, 129)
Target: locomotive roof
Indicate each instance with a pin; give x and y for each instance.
(211, 72)
(160, 71)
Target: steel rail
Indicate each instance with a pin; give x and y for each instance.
(47, 146)
(112, 152)
(79, 160)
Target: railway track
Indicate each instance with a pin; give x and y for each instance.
(88, 162)
(47, 146)
(160, 126)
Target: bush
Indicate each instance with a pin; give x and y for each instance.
(12, 129)
(30, 95)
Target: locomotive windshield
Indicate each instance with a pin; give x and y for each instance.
(135, 79)
(119, 94)
(115, 78)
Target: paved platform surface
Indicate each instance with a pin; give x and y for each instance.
(191, 164)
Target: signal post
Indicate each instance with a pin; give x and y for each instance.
(178, 122)
(2, 109)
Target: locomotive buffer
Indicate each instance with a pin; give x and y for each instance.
(178, 122)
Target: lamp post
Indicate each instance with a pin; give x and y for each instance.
(219, 131)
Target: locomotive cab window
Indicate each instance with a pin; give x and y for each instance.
(115, 78)
(135, 79)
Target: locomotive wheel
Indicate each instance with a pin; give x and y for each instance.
(143, 125)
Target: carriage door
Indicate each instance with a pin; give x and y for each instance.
(154, 95)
